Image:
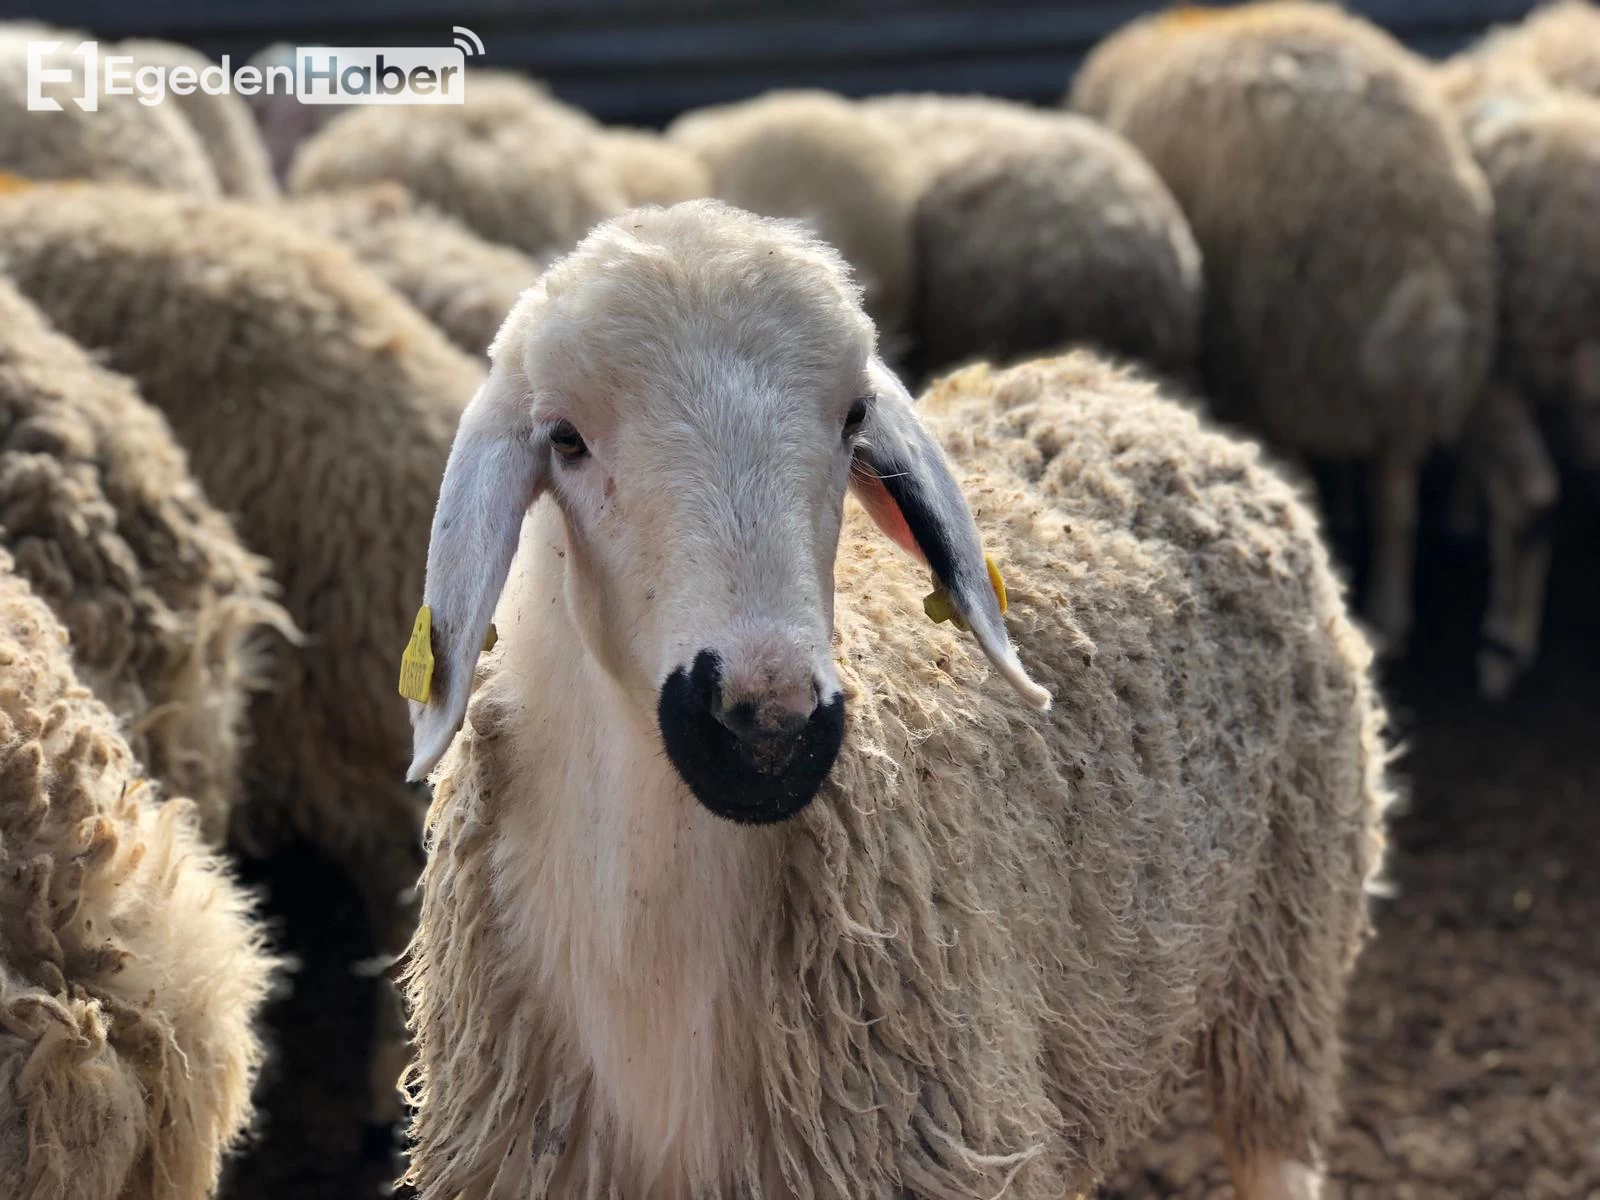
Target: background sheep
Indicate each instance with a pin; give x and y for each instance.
(122, 140)
(317, 406)
(1035, 230)
(131, 970)
(463, 284)
(820, 158)
(976, 963)
(511, 164)
(105, 522)
(1347, 241)
(651, 170)
(1560, 40)
(223, 122)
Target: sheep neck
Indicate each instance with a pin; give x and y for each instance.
(637, 909)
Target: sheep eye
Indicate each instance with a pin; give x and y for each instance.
(854, 418)
(567, 441)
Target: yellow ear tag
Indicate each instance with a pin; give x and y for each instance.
(416, 664)
(490, 638)
(939, 608)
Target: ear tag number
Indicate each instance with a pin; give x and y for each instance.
(416, 664)
(939, 607)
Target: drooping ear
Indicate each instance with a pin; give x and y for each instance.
(903, 480)
(498, 466)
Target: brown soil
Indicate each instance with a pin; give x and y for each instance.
(1474, 1024)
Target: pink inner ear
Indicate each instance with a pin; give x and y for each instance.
(885, 513)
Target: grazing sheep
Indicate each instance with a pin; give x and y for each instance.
(132, 968)
(818, 157)
(222, 120)
(121, 140)
(1561, 40)
(649, 964)
(463, 284)
(1346, 235)
(317, 406)
(512, 164)
(1035, 230)
(105, 522)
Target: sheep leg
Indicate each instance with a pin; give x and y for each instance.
(1521, 488)
(1265, 1176)
(1394, 547)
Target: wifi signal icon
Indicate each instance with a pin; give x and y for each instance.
(468, 43)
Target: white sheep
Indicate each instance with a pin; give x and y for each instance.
(746, 880)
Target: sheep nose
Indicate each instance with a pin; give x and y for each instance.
(768, 727)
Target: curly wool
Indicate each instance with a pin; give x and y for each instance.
(132, 967)
(1345, 229)
(317, 406)
(1038, 230)
(105, 522)
(818, 157)
(223, 121)
(123, 140)
(997, 939)
(460, 282)
(511, 164)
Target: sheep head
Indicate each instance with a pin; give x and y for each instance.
(696, 388)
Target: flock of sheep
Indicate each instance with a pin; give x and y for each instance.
(744, 877)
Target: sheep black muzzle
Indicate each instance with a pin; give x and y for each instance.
(742, 763)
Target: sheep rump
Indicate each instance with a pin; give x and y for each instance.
(928, 1004)
(104, 520)
(132, 968)
(1037, 230)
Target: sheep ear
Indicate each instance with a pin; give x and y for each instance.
(499, 465)
(903, 480)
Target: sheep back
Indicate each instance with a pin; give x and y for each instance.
(462, 283)
(510, 163)
(105, 521)
(123, 140)
(223, 122)
(1561, 40)
(817, 157)
(998, 937)
(1346, 231)
(131, 966)
(317, 406)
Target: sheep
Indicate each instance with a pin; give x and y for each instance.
(283, 122)
(103, 519)
(1038, 229)
(315, 405)
(132, 968)
(510, 164)
(463, 284)
(226, 129)
(1561, 40)
(1346, 235)
(817, 156)
(121, 140)
(1540, 150)
(743, 879)
(651, 170)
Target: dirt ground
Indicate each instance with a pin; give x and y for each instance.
(1474, 1024)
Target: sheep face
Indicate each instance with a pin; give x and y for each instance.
(696, 388)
